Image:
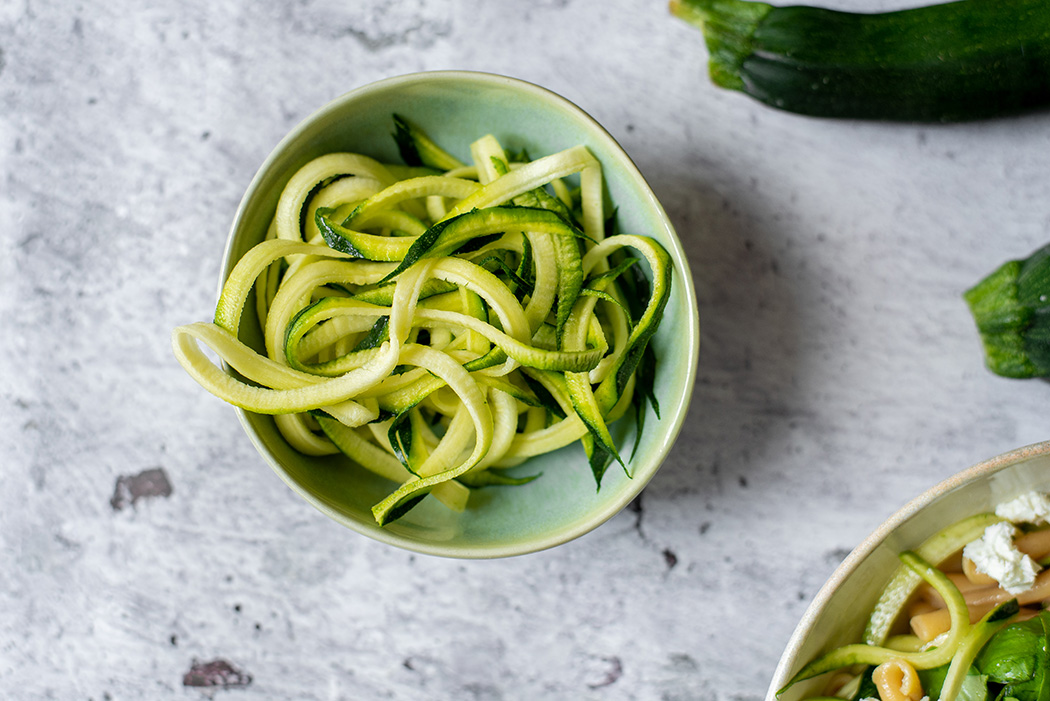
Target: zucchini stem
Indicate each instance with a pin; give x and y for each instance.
(727, 26)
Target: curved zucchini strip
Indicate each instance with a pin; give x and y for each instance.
(934, 549)
(593, 405)
(566, 431)
(325, 309)
(412, 189)
(297, 288)
(371, 457)
(644, 328)
(383, 294)
(299, 431)
(450, 234)
(284, 398)
(549, 169)
(523, 353)
(239, 283)
(861, 653)
(363, 245)
(320, 170)
(410, 492)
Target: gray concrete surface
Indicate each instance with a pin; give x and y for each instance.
(146, 549)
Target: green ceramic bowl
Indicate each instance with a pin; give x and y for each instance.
(455, 108)
(840, 610)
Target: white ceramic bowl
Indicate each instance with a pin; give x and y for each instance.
(455, 108)
(840, 609)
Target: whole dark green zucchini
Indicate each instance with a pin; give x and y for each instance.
(957, 61)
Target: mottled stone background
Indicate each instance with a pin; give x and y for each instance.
(145, 550)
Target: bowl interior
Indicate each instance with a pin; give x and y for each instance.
(840, 610)
(456, 108)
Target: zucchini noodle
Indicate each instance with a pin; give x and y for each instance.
(439, 322)
(963, 617)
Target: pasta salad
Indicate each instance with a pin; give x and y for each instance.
(964, 617)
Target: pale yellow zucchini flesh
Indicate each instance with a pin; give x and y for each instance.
(438, 322)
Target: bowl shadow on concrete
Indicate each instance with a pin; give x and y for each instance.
(749, 337)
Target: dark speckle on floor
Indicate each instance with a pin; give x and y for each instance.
(215, 673)
(146, 484)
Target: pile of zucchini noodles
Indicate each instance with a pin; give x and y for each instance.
(439, 321)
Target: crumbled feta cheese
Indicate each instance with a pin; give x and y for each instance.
(1033, 507)
(995, 555)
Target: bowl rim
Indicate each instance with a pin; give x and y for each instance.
(684, 282)
(846, 568)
